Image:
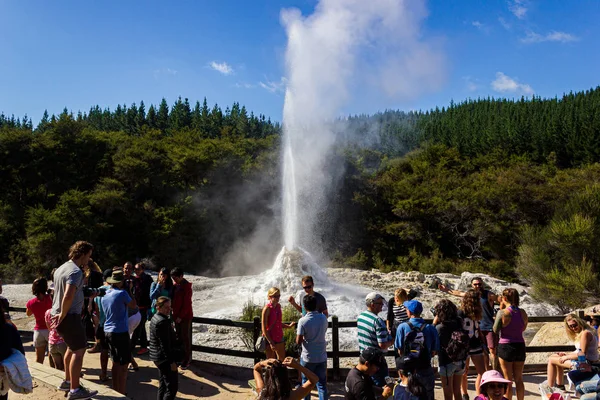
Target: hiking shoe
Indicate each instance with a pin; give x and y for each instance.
(142, 351)
(65, 386)
(82, 394)
(94, 349)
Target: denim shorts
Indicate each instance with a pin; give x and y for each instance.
(454, 368)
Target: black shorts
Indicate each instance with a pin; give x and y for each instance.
(72, 331)
(101, 336)
(512, 352)
(119, 346)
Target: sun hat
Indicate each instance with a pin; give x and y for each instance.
(414, 306)
(116, 276)
(492, 376)
(374, 356)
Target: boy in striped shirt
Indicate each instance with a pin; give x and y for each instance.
(372, 332)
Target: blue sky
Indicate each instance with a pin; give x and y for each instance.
(75, 54)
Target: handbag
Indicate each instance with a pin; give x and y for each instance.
(261, 344)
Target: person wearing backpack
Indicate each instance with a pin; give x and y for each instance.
(417, 342)
(454, 348)
(471, 312)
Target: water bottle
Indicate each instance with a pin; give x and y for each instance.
(580, 358)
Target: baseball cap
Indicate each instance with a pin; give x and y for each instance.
(414, 306)
(374, 296)
(374, 356)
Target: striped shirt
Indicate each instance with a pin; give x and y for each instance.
(400, 314)
(371, 330)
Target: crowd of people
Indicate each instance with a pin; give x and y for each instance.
(110, 308)
(485, 330)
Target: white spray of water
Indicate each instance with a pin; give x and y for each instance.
(344, 43)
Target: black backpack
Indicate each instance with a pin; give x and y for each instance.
(458, 346)
(414, 348)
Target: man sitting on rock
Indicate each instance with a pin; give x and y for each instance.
(417, 342)
(488, 299)
(308, 286)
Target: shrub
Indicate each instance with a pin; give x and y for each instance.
(289, 314)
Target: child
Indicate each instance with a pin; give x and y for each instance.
(57, 345)
(409, 387)
(493, 386)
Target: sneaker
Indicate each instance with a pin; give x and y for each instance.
(560, 387)
(65, 386)
(545, 390)
(465, 397)
(82, 394)
(142, 351)
(184, 366)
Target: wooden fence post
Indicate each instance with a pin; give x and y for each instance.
(257, 331)
(335, 342)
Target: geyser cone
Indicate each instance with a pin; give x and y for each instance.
(289, 268)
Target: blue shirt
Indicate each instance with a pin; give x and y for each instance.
(98, 301)
(114, 304)
(313, 327)
(430, 335)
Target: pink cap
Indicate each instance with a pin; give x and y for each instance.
(493, 376)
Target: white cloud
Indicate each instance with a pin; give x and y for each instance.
(242, 85)
(272, 86)
(471, 84)
(553, 36)
(518, 8)
(506, 84)
(223, 67)
(481, 26)
(504, 24)
(164, 71)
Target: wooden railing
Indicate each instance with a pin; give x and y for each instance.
(335, 325)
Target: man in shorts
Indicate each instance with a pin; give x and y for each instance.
(308, 285)
(67, 306)
(487, 299)
(115, 304)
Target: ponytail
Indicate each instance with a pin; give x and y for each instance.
(415, 387)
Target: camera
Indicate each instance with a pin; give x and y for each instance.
(433, 311)
(90, 291)
(390, 381)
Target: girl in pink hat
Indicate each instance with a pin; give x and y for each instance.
(493, 386)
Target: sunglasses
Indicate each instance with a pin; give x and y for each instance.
(496, 385)
(307, 287)
(476, 284)
(573, 326)
(276, 296)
